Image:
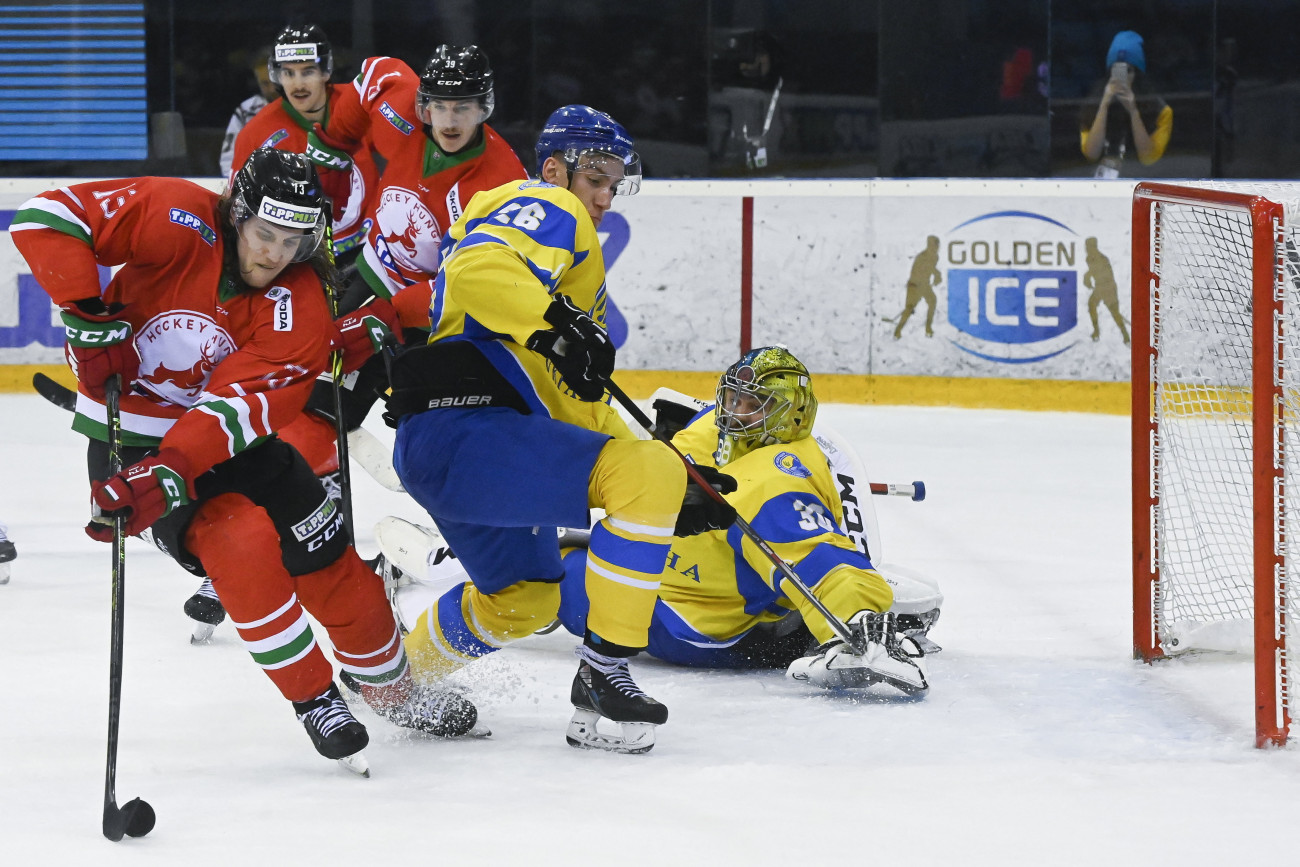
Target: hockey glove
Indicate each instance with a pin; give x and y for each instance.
(143, 492)
(99, 345)
(702, 512)
(578, 346)
(364, 332)
(334, 165)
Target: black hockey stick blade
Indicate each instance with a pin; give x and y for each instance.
(135, 818)
(56, 393)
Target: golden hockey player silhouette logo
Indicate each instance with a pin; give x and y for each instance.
(178, 352)
(408, 232)
(920, 287)
(1101, 280)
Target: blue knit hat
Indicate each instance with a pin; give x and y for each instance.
(1127, 47)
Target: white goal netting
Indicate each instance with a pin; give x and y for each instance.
(1205, 458)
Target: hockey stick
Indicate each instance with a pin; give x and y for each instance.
(914, 491)
(857, 641)
(336, 377)
(136, 817)
(55, 392)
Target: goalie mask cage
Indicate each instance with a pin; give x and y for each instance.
(1216, 410)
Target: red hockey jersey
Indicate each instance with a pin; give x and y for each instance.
(281, 127)
(422, 190)
(218, 370)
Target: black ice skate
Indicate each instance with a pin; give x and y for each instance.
(443, 713)
(603, 687)
(206, 610)
(334, 731)
(7, 554)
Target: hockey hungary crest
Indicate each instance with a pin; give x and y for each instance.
(408, 233)
(178, 351)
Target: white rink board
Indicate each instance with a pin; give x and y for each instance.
(831, 262)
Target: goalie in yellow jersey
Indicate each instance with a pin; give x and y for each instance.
(721, 603)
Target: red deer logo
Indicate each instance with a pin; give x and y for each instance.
(408, 233)
(178, 352)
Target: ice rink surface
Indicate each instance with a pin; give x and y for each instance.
(1041, 740)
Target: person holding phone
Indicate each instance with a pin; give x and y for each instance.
(1127, 117)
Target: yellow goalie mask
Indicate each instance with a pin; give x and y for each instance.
(766, 397)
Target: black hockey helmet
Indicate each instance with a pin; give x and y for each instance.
(283, 189)
(301, 43)
(456, 72)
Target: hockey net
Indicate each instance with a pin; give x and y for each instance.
(1216, 415)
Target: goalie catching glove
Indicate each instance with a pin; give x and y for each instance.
(701, 511)
(578, 346)
(99, 345)
(143, 493)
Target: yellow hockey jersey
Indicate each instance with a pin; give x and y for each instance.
(514, 249)
(718, 585)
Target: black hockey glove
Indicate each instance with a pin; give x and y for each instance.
(578, 346)
(702, 512)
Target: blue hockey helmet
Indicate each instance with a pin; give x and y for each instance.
(575, 130)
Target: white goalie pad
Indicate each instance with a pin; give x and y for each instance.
(428, 566)
(858, 512)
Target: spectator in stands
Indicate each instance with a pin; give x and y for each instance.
(245, 110)
(1127, 115)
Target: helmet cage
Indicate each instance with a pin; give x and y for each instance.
(764, 399)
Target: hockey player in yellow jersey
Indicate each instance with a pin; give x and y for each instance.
(721, 603)
(721, 591)
(504, 431)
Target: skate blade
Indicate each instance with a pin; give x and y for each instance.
(357, 764)
(202, 633)
(637, 738)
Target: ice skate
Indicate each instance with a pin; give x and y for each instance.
(206, 610)
(889, 658)
(443, 713)
(603, 687)
(334, 731)
(7, 554)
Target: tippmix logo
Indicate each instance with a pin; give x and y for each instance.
(1013, 281)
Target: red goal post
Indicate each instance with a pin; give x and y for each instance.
(1216, 431)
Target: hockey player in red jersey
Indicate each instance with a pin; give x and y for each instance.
(217, 324)
(300, 65)
(432, 134)
(431, 131)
